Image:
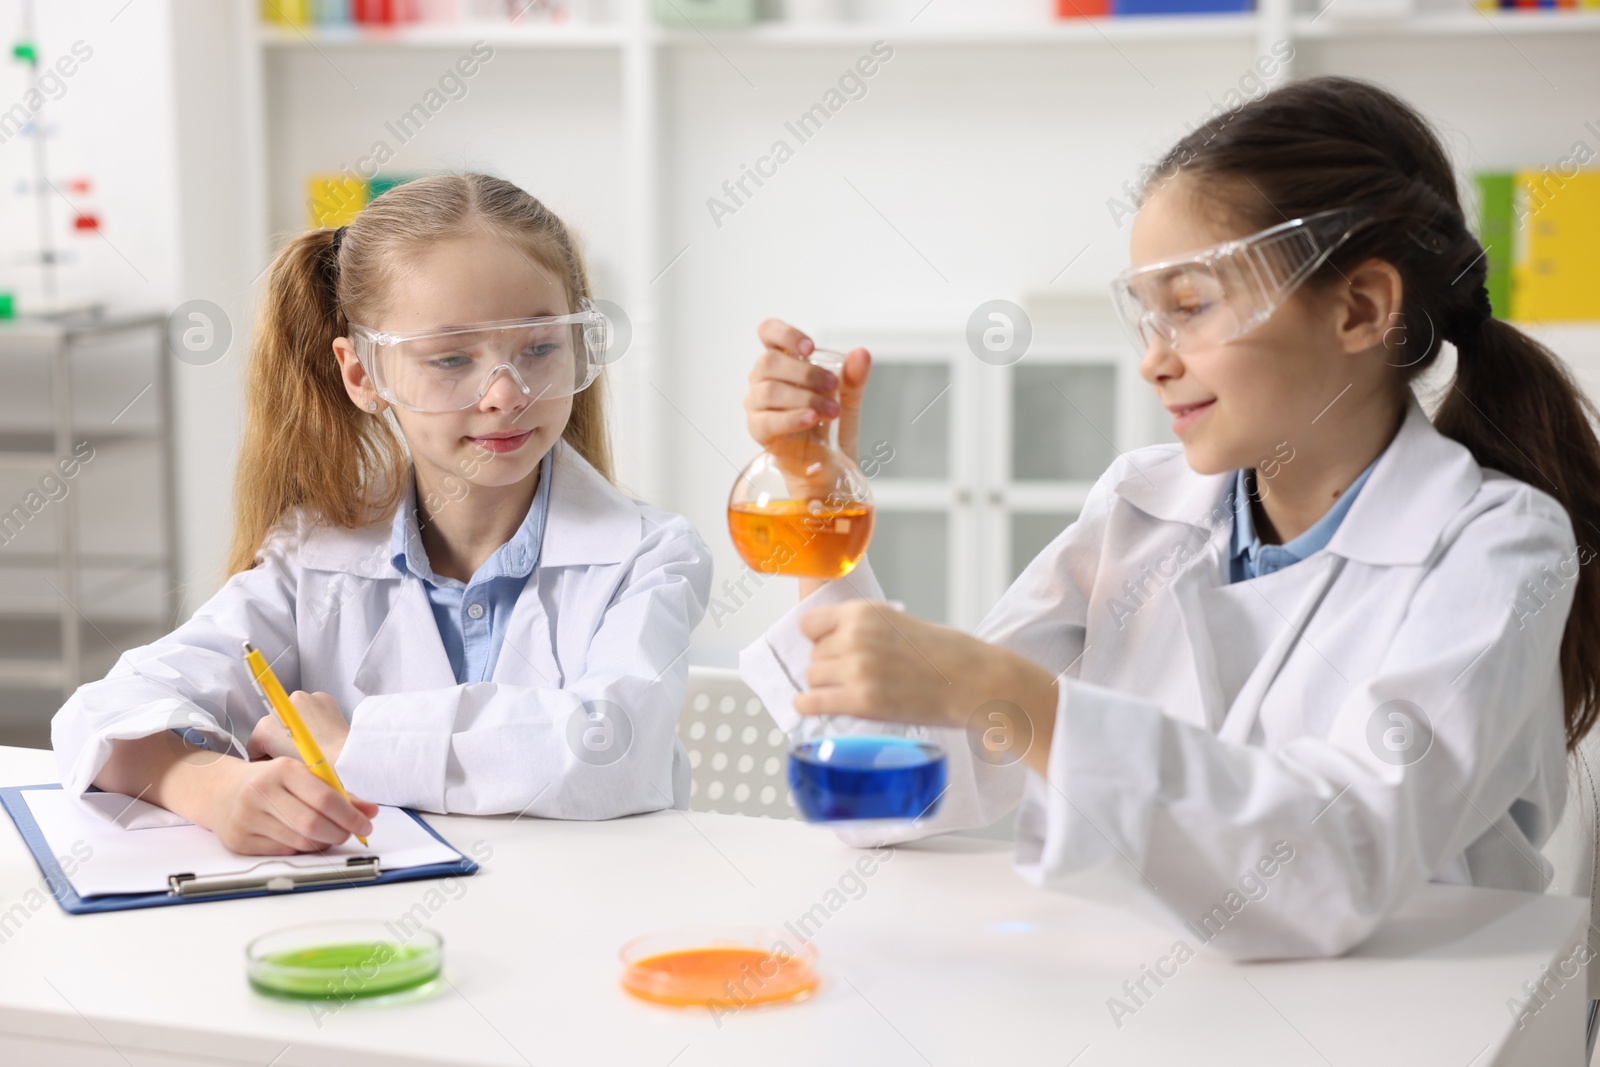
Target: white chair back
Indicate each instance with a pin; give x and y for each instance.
(1574, 848)
(739, 757)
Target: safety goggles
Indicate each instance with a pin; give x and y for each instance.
(452, 369)
(1211, 297)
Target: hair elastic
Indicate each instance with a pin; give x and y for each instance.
(1471, 319)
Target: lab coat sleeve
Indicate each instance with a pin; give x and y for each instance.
(602, 745)
(1306, 849)
(775, 667)
(1042, 617)
(192, 681)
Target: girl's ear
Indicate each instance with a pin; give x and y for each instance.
(356, 382)
(1367, 313)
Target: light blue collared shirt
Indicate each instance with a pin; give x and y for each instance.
(1250, 558)
(472, 616)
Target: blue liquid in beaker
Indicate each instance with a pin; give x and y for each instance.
(841, 778)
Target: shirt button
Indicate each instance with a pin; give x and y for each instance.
(475, 611)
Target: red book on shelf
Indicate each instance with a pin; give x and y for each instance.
(1077, 9)
(374, 12)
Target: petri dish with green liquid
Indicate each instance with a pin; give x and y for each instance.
(345, 960)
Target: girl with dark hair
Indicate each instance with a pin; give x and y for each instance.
(1275, 677)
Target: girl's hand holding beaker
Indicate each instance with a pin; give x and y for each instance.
(789, 396)
(870, 661)
(802, 507)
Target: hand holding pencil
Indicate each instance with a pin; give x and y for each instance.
(283, 709)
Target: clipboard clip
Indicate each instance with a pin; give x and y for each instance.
(354, 870)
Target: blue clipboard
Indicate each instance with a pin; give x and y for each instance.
(61, 888)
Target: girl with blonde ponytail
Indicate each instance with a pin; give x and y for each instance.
(428, 547)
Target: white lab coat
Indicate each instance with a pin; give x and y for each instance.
(605, 617)
(1200, 723)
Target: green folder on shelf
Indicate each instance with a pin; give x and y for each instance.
(705, 12)
(1495, 229)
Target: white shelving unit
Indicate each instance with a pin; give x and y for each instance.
(437, 35)
(638, 45)
(643, 113)
(87, 554)
(1226, 26)
(1454, 24)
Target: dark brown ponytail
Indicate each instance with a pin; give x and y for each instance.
(1331, 143)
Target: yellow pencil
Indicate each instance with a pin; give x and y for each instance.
(271, 691)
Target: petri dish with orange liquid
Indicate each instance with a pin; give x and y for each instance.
(803, 508)
(721, 969)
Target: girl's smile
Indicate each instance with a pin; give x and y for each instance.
(504, 441)
(1186, 415)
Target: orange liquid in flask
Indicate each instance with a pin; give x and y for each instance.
(784, 537)
(726, 975)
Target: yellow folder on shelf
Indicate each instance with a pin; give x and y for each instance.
(286, 12)
(334, 199)
(1555, 268)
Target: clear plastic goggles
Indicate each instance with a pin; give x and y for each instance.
(1216, 295)
(452, 369)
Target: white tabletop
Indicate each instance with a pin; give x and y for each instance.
(946, 958)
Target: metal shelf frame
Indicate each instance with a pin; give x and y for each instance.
(56, 339)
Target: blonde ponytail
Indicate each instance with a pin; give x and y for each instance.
(305, 444)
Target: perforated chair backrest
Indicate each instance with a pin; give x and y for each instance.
(738, 755)
(1574, 848)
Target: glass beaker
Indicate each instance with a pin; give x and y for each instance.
(802, 508)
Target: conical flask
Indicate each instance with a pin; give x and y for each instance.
(803, 508)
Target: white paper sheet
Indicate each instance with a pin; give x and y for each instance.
(104, 857)
(131, 813)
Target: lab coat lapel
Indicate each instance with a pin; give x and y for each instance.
(1196, 510)
(589, 525)
(406, 654)
(1422, 479)
(1259, 623)
(1241, 634)
(528, 654)
(1191, 591)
